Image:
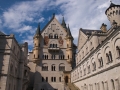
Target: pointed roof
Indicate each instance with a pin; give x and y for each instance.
(69, 32)
(63, 23)
(38, 30)
(111, 5)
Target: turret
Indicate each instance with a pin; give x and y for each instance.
(36, 50)
(113, 13)
(69, 40)
(63, 23)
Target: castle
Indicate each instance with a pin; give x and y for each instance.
(54, 63)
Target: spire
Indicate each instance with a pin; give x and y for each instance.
(63, 24)
(112, 4)
(68, 32)
(38, 30)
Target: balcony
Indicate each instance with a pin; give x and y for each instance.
(53, 48)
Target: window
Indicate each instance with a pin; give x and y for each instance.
(53, 57)
(88, 69)
(113, 85)
(118, 51)
(53, 67)
(45, 56)
(59, 79)
(50, 36)
(100, 62)
(61, 56)
(56, 36)
(46, 79)
(53, 79)
(94, 66)
(109, 57)
(62, 67)
(44, 67)
(42, 79)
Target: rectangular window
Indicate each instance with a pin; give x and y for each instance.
(59, 79)
(42, 79)
(46, 79)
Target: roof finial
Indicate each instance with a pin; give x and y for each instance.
(53, 14)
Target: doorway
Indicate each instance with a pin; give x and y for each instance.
(66, 79)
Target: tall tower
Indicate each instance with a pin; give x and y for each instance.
(63, 23)
(36, 50)
(113, 13)
(69, 41)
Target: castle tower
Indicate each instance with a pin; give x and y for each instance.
(36, 50)
(69, 41)
(113, 13)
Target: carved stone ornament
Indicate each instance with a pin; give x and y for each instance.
(46, 40)
(60, 40)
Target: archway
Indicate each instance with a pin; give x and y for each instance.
(66, 79)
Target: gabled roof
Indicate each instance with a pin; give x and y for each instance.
(48, 22)
(1, 33)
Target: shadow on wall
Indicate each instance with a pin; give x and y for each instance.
(37, 82)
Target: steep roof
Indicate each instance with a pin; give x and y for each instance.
(38, 30)
(48, 22)
(69, 32)
(63, 24)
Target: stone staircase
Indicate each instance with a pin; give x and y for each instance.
(72, 86)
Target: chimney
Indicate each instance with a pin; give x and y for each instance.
(103, 27)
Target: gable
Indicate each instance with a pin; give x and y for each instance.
(53, 27)
(81, 39)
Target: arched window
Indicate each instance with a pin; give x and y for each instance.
(113, 85)
(118, 51)
(44, 67)
(53, 67)
(100, 62)
(88, 69)
(50, 36)
(94, 66)
(109, 57)
(62, 67)
(56, 36)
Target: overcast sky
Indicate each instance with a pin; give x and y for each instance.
(21, 17)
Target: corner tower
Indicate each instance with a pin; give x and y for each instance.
(113, 13)
(36, 50)
(69, 41)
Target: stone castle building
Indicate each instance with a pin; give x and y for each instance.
(14, 72)
(98, 56)
(53, 56)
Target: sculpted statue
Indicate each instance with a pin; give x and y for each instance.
(46, 40)
(60, 40)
